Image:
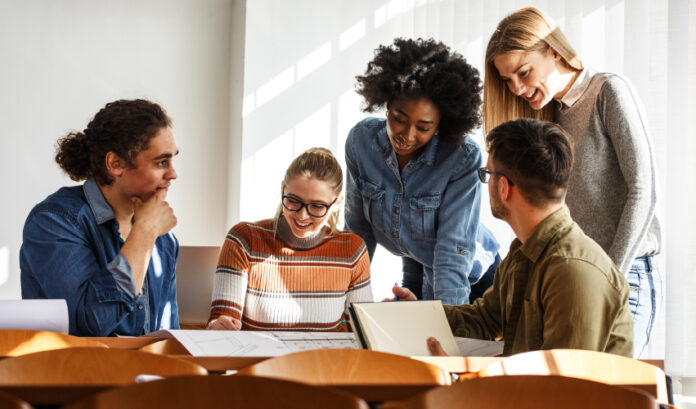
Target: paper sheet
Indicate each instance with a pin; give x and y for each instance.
(256, 343)
(479, 347)
(44, 315)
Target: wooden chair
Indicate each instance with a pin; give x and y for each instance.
(90, 366)
(591, 365)
(220, 392)
(530, 392)
(10, 402)
(169, 346)
(16, 342)
(372, 375)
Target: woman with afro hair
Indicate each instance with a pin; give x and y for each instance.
(412, 183)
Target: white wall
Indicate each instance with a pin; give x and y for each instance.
(63, 60)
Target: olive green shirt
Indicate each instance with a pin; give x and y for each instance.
(559, 289)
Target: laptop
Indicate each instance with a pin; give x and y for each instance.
(195, 275)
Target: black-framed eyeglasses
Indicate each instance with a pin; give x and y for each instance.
(313, 209)
(484, 175)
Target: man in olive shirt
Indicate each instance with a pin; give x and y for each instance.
(556, 288)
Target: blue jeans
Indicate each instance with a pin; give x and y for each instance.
(644, 299)
(413, 278)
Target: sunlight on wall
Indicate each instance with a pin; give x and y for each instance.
(275, 86)
(314, 60)
(593, 37)
(4, 264)
(265, 170)
(392, 9)
(248, 105)
(351, 35)
(315, 130)
(349, 109)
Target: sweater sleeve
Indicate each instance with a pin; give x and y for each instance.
(624, 120)
(360, 288)
(231, 277)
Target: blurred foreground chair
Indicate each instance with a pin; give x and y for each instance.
(64, 375)
(591, 365)
(11, 402)
(212, 392)
(169, 346)
(90, 366)
(16, 342)
(374, 376)
(530, 392)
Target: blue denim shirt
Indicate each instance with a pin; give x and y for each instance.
(71, 250)
(428, 212)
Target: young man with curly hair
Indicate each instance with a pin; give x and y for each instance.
(412, 184)
(556, 287)
(105, 246)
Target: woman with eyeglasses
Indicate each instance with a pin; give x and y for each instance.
(296, 271)
(533, 71)
(412, 185)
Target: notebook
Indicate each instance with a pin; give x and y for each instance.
(402, 327)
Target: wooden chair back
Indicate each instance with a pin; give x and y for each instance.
(591, 365)
(16, 342)
(530, 392)
(8, 401)
(90, 366)
(169, 346)
(349, 367)
(212, 392)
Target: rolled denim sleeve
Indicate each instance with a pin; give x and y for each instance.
(458, 221)
(121, 270)
(58, 257)
(355, 218)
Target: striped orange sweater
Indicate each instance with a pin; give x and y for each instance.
(273, 286)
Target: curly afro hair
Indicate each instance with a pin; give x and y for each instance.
(425, 68)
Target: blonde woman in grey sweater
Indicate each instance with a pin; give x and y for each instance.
(532, 71)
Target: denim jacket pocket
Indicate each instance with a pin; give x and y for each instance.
(373, 203)
(423, 220)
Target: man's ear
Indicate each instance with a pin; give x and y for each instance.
(504, 188)
(114, 164)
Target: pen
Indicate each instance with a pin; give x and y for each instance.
(396, 297)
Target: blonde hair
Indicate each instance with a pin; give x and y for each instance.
(320, 164)
(528, 29)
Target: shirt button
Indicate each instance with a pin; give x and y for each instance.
(140, 306)
(396, 235)
(396, 210)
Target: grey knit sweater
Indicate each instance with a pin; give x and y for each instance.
(612, 191)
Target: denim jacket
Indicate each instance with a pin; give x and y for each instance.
(71, 250)
(428, 212)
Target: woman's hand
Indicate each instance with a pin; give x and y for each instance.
(225, 322)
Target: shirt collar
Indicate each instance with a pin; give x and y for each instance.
(537, 242)
(101, 209)
(582, 82)
(427, 156)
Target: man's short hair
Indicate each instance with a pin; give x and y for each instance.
(535, 155)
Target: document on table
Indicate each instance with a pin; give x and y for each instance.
(43, 315)
(479, 347)
(256, 343)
